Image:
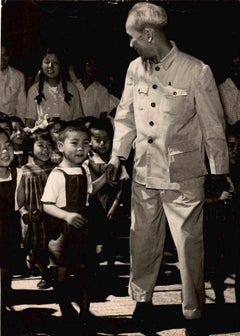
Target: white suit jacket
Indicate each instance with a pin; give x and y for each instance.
(171, 113)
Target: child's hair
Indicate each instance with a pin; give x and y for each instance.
(233, 130)
(53, 121)
(3, 131)
(4, 118)
(33, 137)
(67, 95)
(102, 124)
(73, 126)
(17, 119)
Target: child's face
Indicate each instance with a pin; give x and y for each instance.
(42, 150)
(4, 58)
(54, 131)
(51, 66)
(6, 151)
(234, 149)
(75, 148)
(6, 127)
(17, 133)
(101, 142)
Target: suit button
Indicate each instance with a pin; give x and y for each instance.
(157, 68)
(151, 123)
(150, 140)
(153, 104)
(174, 93)
(154, 86)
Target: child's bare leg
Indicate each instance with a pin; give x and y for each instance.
(82, 284)
(62, 292)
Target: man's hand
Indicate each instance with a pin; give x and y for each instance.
(112, 170)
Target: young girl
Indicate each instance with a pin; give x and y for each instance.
(65, 198)
(39, 147)
(52, 95)
(9, 203)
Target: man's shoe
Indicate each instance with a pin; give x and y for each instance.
(195, 327)
(142, 311)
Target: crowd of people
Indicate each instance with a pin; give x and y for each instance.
(64, 145)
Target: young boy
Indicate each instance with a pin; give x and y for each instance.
(106, 202)
(65, 197)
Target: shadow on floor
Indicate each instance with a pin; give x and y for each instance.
(39, 321)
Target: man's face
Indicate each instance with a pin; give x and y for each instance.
(4, 58)
(138, 41)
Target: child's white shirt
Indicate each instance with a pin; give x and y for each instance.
(55, 188)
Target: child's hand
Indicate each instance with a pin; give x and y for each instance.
(226, 196)
(26, 219)
(75, 219)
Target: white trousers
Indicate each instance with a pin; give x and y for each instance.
(184, 212)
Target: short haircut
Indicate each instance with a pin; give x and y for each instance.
(102, 124)
(31, 138)
(53, 121)
(73, 126)
(17, 119)
(3, 131)
(4, 118)
(233, 130)
(145, 14)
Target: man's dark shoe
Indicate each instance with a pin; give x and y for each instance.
(143, 316)
(195, 327)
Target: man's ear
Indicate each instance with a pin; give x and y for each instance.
(60, 146)
(149, 34)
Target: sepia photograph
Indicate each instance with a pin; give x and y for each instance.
(120, 168)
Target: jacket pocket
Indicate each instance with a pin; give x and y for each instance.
(174, 100)
(186, 161)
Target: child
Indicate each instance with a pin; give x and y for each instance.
(39, 148)
(106, 203)
(17, 137)
(65, 198)
(55, 125)
(9, 203)
(52, 95)
(5, 123)
(220, 221)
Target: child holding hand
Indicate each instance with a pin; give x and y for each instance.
(65, 198)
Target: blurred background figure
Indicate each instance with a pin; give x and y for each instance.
(12, 85)
(96, 99)
(230, 92)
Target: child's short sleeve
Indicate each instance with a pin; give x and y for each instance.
(54, 191)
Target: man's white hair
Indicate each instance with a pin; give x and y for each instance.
(145, 14)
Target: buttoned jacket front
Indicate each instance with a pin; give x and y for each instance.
(171, 113)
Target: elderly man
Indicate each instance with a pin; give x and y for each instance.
(171, 113)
